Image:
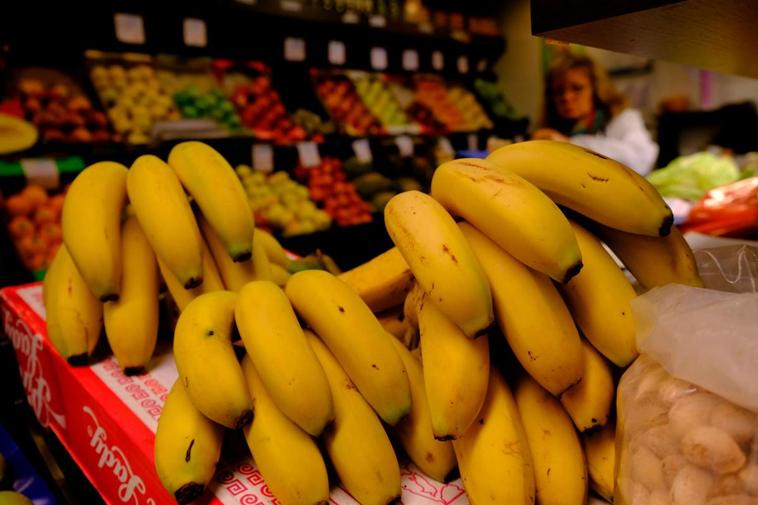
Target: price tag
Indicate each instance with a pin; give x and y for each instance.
(42, 171)
(377, 21)
(482, 65)
(404, 145)
(410, 59)
(294, 49)
(445, 146)
(263, 158)
(336, 52)
(378, 58)
(463, 64)
(438, 60)
(130, 29)
(473, 142)
(195, 32)
(308, 154)
(350, 18)
(290, 6)
(362, 150)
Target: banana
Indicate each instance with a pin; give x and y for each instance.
(277, 347)
(206, 362)
(212, 280)
(356, 443)
(131, 322)
(338, 315)
(236, 274)
(163, 211)
(493, 455)
(394, 323)
(187, 447)
(91, 224)
(589, 183)
(382, 282)
(218, 192)
(600, 450)
(512, 212)
(654, 261)
(589, 402)
(560, 471)
(599, 299)
(288, 459)
(279, 275)
(74, 315)
(434, 457)
(532, 315)
(13, 497)
(440, 259)
(456, 371)
(274, 250)
(412, 304)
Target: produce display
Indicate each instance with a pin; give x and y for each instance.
(455, 107)
(197, 95)
(381, 102)
(690, 177)
(340, 98)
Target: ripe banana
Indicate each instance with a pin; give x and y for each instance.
(279, 275)
(560, 471)
(13, 497)
(654, 261)
(289, 459)
(356, 443)
(512, 212)
(213, 184)
(599, 299)
(532, 315)
(338, 315)
(456, 371)
(600, 450)
(131, 322)
(382, 282)
(187, 447)
(163, 211)
(206, 362)
(440, 259)
(395, 324)
(589, 183)
(236, 274)
(212, 280)
(493, 455)
(74, 315)
(91, 224)
(274, 250)
(410, 310)
(589, 402)
(435, 458)
(285, 362)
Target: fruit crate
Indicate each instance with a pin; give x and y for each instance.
(342, 101)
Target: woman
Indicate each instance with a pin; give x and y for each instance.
(582, 107)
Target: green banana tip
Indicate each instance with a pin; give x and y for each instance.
(189, 492)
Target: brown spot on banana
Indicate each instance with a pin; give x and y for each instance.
(188, 455)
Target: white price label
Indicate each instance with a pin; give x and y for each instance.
(294, 49)
(263, 158)
(445, 146)
(438, 60)
(130, 29)
(377, 21)
(362, 150)
(337, 52)
(463, 64)
(42, 171)
(308, 154)
(291, 5)
(378, 58)
(410, 59)
(404, 145)
(473, 142)
(195, 32)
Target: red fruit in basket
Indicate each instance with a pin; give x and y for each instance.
(80, 134)
(20, 226)
(32, 105)
(101, 136)
(58, 92)
(44, 214)
(53, 135)
(50, 232)
(97, 119)
(73, 119)
(36, 262)
(55, 203)
(31, 87)
(35, 193)
(18, 205)
(79, 104)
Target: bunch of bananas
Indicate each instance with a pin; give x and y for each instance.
(403, 347)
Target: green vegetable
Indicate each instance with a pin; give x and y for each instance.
(690, 177)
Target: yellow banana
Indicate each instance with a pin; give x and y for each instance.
(338, 315)
(412, 304)
(13, 497)
(512, 212)
(289, 459)
(589, 402)
(560, 471)
(532, 315)
(274, 250)
(74, 316)
(394, 323)
(206, 362)
(163, 211)
(493, 455)
(599, 299)
(589, 183)
(236, 274)
(218, 192)
(91, 224)
(212, 280)
(440, 259)
(654, 261)
(356, 443)
(279, 275)
(456, 371)
(382, 282)
(600, 450)
(434, 457)
(131, 322)
(187, 447)
(277, 346)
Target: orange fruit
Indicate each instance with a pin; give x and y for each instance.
(45, 214)
(18, 205)
(36, 194)
(36, 262)
(20, 226)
